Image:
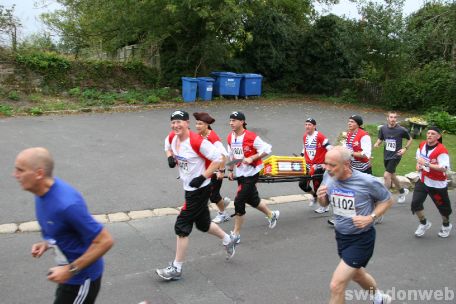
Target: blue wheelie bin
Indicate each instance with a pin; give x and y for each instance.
(226, 83)
(189, 88)
(250, 85)
(205, 88)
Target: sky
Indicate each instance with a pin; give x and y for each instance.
(28, 11)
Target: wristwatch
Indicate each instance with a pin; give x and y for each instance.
(373, 216)
(74, 270)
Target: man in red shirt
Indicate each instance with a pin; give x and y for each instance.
(432, 163)
(315, 146)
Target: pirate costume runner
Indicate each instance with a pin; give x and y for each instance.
(197, 159)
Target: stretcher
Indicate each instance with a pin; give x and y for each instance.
(285, 169)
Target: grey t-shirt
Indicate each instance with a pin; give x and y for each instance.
(393, 140)
(356, 195)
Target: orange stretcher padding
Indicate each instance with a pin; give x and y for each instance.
(284, 166)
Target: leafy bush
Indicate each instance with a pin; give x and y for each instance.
(75, 91)
(6, 110)
(152, 99)
(43, 62)
(35, 111)
(443, 120)
(14, 95)
(431, 85)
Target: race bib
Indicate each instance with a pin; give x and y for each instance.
(343, 202)
(238, 152)
(390, 145)
(426, 159)
(59, 258)
(183, 164)
(311, 153)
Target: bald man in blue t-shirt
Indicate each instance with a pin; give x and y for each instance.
(78, 240)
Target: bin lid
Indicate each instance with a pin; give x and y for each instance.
(225, 74)
(210, 79)
(250, 75)
(192, 79)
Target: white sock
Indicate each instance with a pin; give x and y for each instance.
(378, 298)
(178, 265)
(226, 239)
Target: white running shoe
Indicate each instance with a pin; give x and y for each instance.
(237, 237)
(445, 231)
(274, 218)
(312, 202)
(401, 198)
(421, 230)
(322, 209)
(226, 201)
(221, 217)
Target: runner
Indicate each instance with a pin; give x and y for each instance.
(203, 127)
(360, 145)
(197, 160)
(315, 145)
(78, 240)
(357, 200)
(248, 148)
(432, 163)
(392, 134)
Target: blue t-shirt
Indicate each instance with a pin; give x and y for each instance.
(356, 195)
(68, 226)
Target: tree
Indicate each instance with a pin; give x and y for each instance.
(9, 24)
(431, 33)
(330, 52)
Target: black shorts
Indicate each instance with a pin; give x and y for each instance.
(195, 210)
(215, 185)
(247, 193)
(438, 195)
(356, 249)
(84, 294)
(391, 164)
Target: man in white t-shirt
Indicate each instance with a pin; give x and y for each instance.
(197, 160)
(248, 148)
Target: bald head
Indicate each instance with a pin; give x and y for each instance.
(38, 158)
(337, 162)
(340, 153)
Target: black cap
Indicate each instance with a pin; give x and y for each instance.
(180, 115)
(358, 119)
(436, 129)
(312, 121)
(237, 115)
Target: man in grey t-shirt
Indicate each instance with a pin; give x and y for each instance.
(357, 200)
(392, 135)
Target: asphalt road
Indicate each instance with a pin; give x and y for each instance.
(117, 161)
(292, 263)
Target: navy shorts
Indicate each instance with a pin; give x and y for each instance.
(391, 164)
(356, 249)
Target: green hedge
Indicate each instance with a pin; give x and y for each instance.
(433, 85)
(60, 73)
